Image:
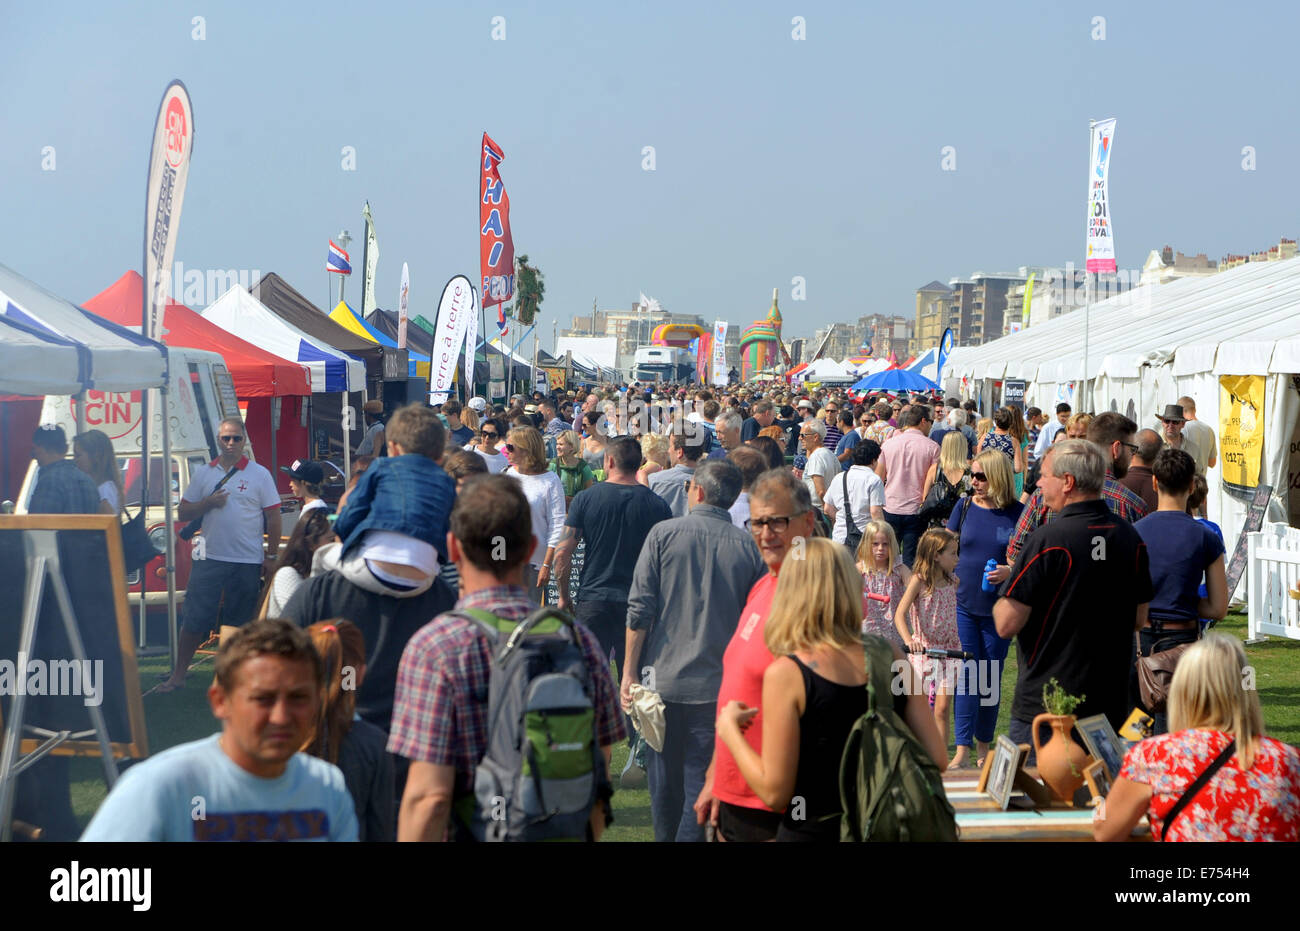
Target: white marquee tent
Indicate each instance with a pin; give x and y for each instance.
(1150, 346)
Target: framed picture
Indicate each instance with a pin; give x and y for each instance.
(1000, 770)
(1138, 726)
(1103, 743)
(1098, 782)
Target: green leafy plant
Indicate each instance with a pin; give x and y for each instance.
(1057, 701)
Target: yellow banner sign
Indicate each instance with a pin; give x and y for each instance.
(1241, 428)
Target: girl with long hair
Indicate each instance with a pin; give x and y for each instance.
(341, 737)
(884, 579)
(574, 472)
(312, 531)
(93, 453)
(927, 618)
(813, 693)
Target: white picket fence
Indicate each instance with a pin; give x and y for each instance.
(1273, 582)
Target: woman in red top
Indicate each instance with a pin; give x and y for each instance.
(1255, 796)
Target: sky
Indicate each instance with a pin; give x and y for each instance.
(775, 157)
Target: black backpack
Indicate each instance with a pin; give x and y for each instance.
(943, 497)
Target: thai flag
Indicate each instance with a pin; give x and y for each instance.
(338, 261)
(501, 319)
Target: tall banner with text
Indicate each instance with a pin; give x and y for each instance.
(1101, 237)
(402, 295)
(369, 261)
(496, 247)
(945, 349)
(169, 170)
(720, 353)
(471, 348)
(457, 306)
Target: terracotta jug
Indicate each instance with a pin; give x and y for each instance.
(1060, 760)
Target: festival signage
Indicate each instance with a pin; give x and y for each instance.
(1024, 305)
(945, 348)
(1101, 238)
(496, 245)
(402, 295)
(369, 261)
(457, 305)
(720, 353)
(471, 347)
(1013, 394)
(1255, 513)
(1241, 430)
(169, 170)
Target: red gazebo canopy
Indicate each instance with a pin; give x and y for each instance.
(256, 372)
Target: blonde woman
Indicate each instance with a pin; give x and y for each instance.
(654, 452)
(469, 417)
(545, 493)
(93, 454)
(572, 469)
(984, 523)
(951, 469)
(982, 429)
(813, 694)
(1254, 794)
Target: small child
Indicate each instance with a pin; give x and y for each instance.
(930, 604)
(884, 579)
(394, 527)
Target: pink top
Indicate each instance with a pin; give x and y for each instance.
(933, 618)
(907, 456)
(879, 615)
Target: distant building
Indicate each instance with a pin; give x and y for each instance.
(931, 316)
(1167, 265)
(634, 328)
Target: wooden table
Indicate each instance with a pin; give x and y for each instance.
(980, 819)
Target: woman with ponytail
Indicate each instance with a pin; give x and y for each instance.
(341, 737)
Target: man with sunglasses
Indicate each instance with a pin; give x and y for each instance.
(237, 501)
(491, 432)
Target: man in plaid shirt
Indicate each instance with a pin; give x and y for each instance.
(1113, 432)
(441, 703)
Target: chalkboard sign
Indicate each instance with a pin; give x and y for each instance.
(1254, 521)
(575, 575)
(59, 688)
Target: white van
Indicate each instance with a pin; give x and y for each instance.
(201, 394)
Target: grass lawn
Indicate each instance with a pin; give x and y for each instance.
(184, 715)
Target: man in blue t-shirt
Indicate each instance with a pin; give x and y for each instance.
(248, 783)
(1182, 551)
(614, 517)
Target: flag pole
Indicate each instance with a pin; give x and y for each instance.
(1087, 297)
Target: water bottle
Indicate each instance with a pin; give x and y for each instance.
(989, 567)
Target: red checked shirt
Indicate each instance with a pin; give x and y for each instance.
(1123, 503)
(441, 704)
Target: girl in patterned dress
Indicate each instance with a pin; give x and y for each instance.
(926, 617)
(884, 578)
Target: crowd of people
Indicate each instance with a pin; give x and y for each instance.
(736, 545)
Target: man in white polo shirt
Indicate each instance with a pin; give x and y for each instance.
(237, 501)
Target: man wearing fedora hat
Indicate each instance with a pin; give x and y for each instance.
(1171, 421)
(372, 444)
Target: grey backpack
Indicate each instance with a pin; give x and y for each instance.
(544, 771)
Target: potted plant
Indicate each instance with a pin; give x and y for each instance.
(1061, 760)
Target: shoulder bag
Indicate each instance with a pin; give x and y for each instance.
(852, 535)
(1155, 674)
(137, 549)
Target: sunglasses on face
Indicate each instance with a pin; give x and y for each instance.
(510, 447)
(979, 477)
(231, 439)
(491, 435)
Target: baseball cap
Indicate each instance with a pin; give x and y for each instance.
(304, 470)
(476, 404)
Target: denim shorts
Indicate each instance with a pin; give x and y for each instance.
(229, 589)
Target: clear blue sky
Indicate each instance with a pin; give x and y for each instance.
(774, 157)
